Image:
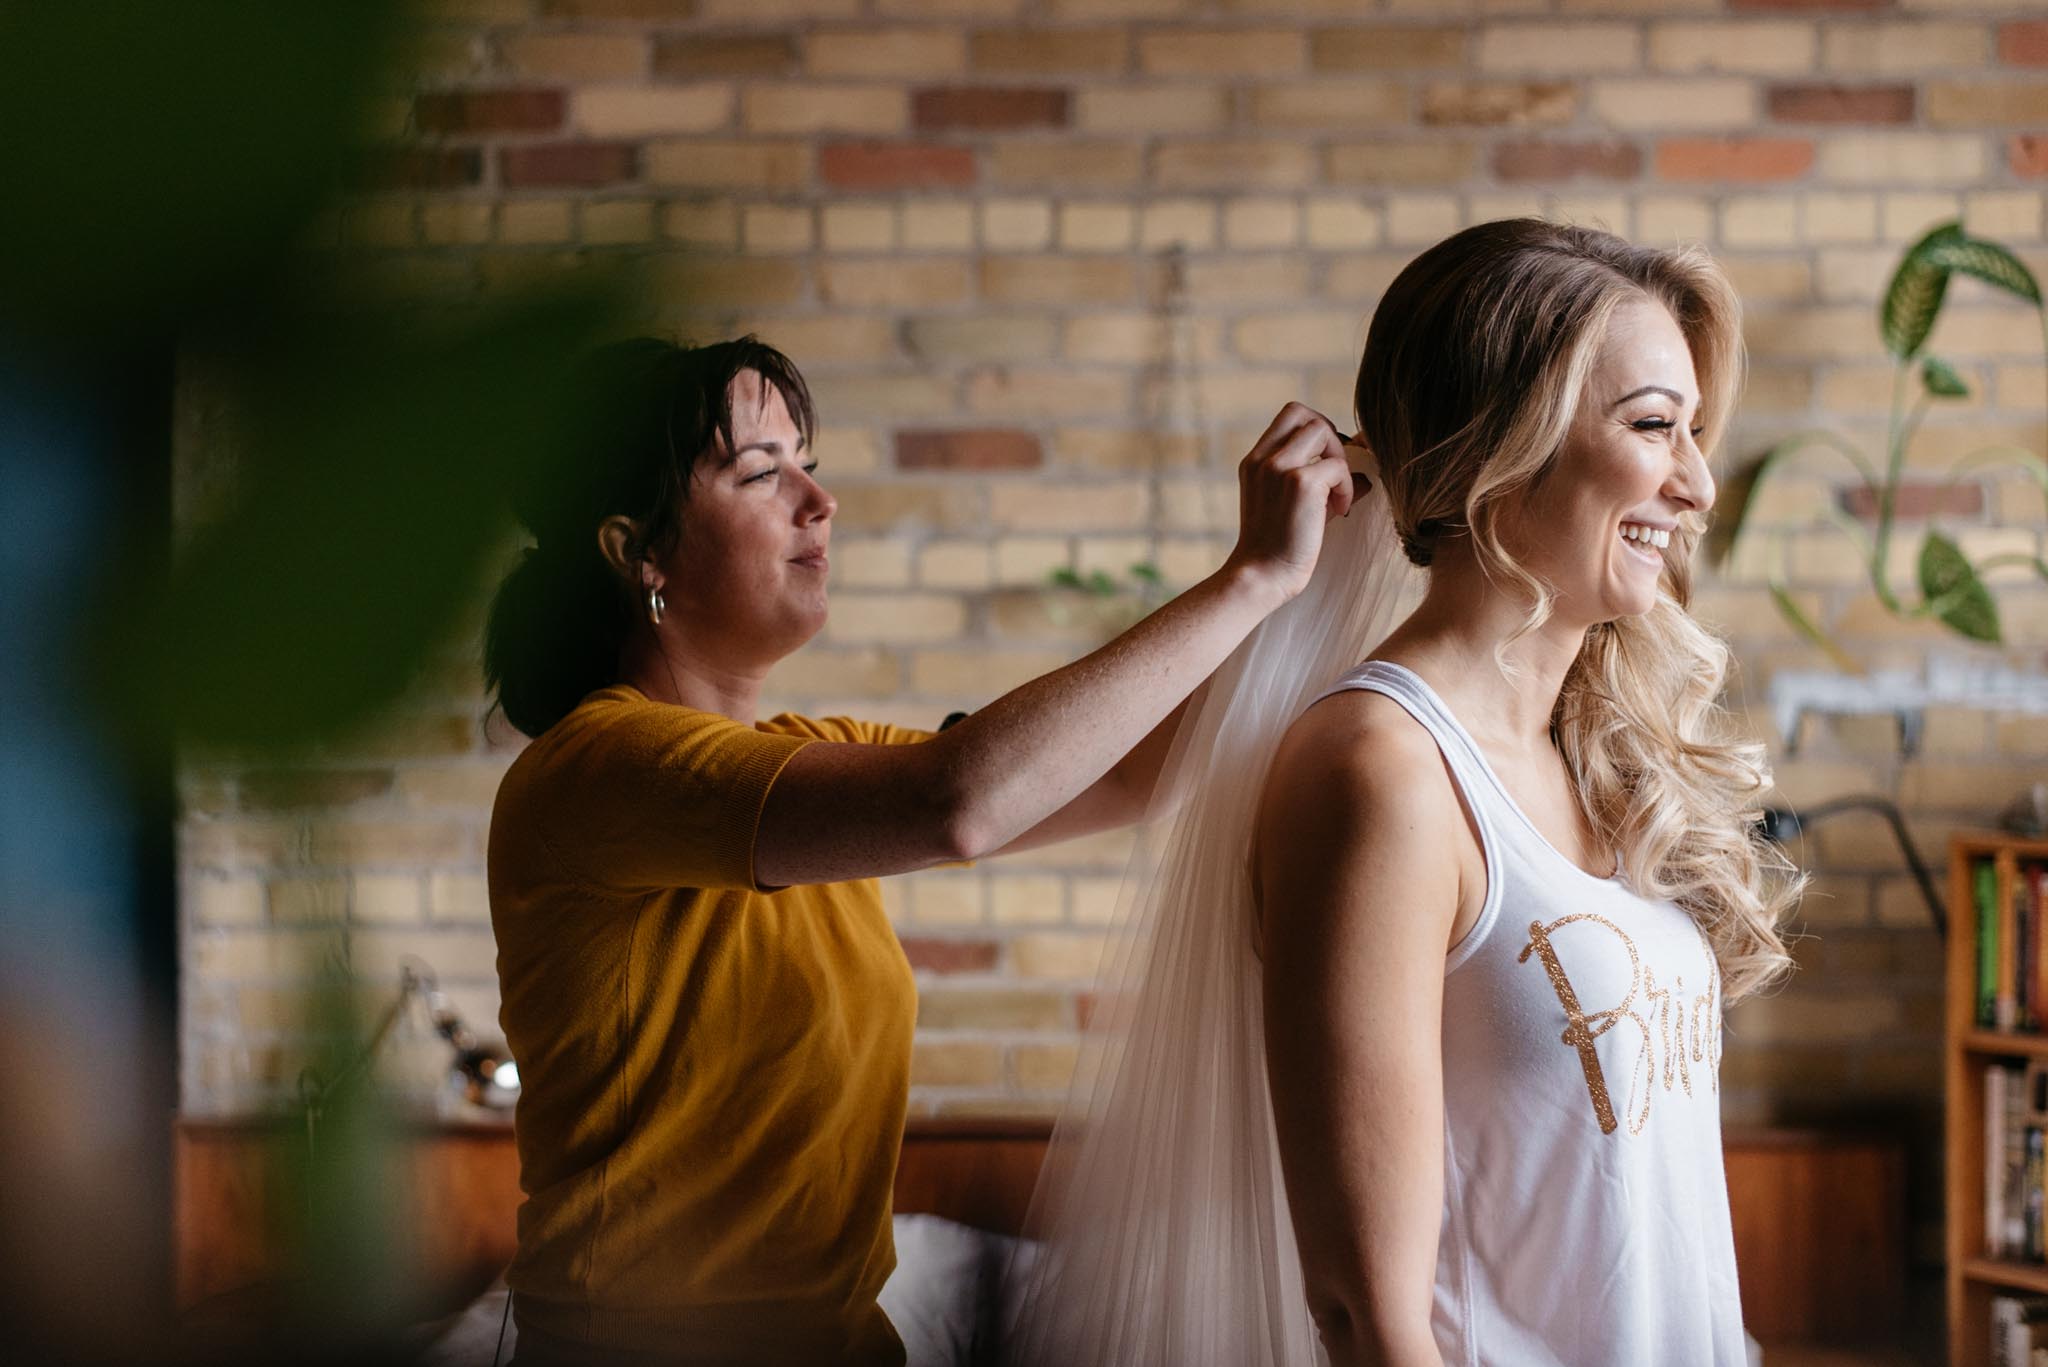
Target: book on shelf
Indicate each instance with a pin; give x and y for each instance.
(2019, 1330)
(2016, 1161)
(2012, 946)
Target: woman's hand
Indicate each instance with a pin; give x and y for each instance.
(1292, 482)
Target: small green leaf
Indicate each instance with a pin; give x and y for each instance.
(1147, 572)
(1100, 583)
(1810, 629)
(1064, 578)
(1914, 296)
(1986, 261)
(1941, 379)
(1954, 592)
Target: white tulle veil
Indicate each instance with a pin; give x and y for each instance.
(1166, 1237)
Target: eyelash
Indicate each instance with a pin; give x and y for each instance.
(1663, 425)
(810, 469)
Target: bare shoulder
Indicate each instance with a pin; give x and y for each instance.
(1361, 748)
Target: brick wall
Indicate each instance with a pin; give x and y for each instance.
(1050, 264)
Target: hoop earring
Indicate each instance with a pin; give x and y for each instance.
(655, 604)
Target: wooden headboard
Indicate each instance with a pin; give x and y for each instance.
(1820, 1217)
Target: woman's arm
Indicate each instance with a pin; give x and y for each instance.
(854, 811)
(1358, 883)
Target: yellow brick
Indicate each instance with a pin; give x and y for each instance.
(1112, 555)
(455, 223)
(1030, 560)
(1222, 52)
(871, 564)
(916, 53)
(907, 618)
(1030, 393)
(1087, 227)
(2020, 737)
(1760, 47)
(1759, 221)
(1256, 224)
(1562, 48)
(1777, 391)
(1344, 223)
(813, 107)
(1669, 219)
(458, 897)
(2007, 215)
(1331, 104)
(1834, 902)
(981, 337)
(937, 226)
(1998, 329)
(1300, 335)
(1418, 220)
(389, 899)
(934, 1064)
(220, 956)
(811, 672)
(1040, 280)
(1187, 223)
(719, 163)
(642, 111)
(1972, 104)
(900, 284)
(773, 229)
(1851, 273)
(1069, 507)
(1904, 48)
(1151, 109)
(900, 505)
(1044, 1067)
(1610, 213)
(1404, 164)
(1142, 339)
(1859, 389)
(1834, 332)
(1628, 6)
(618, 220)
(1263, 279)
(889, 398)
(1096, 900)
(1830, 217)
(1233, 163)
(1060, 956)
(1825, 558)
(2021, 389)
(1909, 158)
(1050, 50)
(1907, 216)
(703, 223)
(1486, 207)
(1066, 165)
(980, 675)
(756, 11)
(859, 227)
(1364, 276)
(1678, 104)
(946, 899)
(575, 56)
(1778, 279)
(1016, 224)
(950, 9)
(224, 901)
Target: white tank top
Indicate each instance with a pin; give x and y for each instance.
(1585, 1207)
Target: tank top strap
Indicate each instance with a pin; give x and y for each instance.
(1483, 798)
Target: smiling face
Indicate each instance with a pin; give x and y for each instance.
(745, 583)
(1599, 523)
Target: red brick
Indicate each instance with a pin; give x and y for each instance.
(895, 166)
(1918, 498)
(2028, 153)
(425, 168)
(1526, 161)
(1084, 1009)
(566, 164)
(1842, 103)
(456, 112)
(991, 448)
(693, 58)
(992, 107)
(950, 956)
(1746, 159)
(2024, 42)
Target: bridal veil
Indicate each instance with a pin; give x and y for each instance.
(1166, 1238)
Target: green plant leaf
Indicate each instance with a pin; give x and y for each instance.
(1941, 379)
(1739, 490)
(1064, 578)
(1954, 592)
(1913, 299)
(1147, 573)
(1810, 629)
(1100, 583)
(1986, 261)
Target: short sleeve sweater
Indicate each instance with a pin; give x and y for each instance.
(714, 1074)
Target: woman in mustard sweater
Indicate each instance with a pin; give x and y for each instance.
(711, 1014)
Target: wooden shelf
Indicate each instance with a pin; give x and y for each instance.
(1973, 1278)
(2008, 1275)
(2006, 1043)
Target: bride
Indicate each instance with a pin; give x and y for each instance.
(1409, 1050)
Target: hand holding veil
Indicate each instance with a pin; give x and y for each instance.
(1167, 1241)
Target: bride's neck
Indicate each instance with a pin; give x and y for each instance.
(1461, 635)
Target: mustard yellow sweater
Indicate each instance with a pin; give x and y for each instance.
(714, 1074)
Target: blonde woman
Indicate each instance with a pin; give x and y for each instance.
(1472, 921)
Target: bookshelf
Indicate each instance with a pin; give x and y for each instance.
(1973, 1277)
